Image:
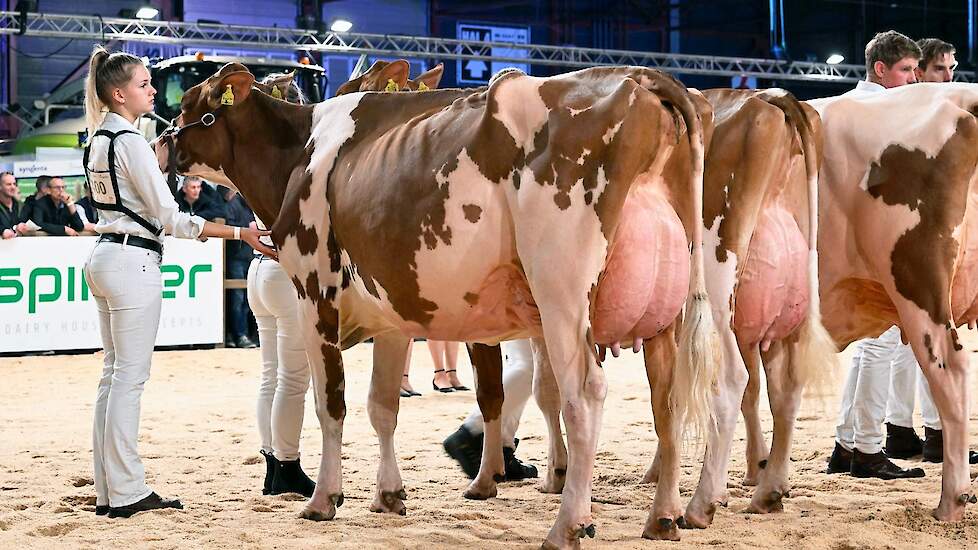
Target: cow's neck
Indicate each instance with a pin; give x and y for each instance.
(268, 139)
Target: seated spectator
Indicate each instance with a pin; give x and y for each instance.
(26, 226)
(192, 200)
(56, 213)
(87, 211)
(9, 205)
(238, 256)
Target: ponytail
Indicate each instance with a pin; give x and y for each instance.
(105, 73)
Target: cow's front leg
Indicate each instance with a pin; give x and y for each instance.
(390, 353)
(547, 395)
(945, 364)
(784, 388)
(757, 452)
(660, 362)
(711, 491)
(488, 364)
(321, 323)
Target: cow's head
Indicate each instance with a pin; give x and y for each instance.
(281, 86)
(381, 74)
(199, 143)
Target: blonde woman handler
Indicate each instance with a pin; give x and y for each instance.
(285, 369)
(135, 207)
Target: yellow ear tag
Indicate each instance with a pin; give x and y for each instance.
(276, 93)
(227, 98)
(391, 86)
(422, 87)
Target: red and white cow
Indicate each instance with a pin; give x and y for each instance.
(457, 215)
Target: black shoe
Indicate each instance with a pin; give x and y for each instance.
(289, 478)
(101, 510)
(972, 457)
(271, 463)
(515, 469)
(878, 466)
(933, 445)
(152, 502)
(902, 442)
(408, 393)
(435, 387)
(841, 460)
(459, 387)
(466, 449)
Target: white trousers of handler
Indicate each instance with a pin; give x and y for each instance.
(881, 386)
(285, 369)
(517, 388)
(126, 284)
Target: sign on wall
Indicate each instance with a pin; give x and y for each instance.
(473, 71)
(45, 303)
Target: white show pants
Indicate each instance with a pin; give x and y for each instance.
(126, 284)
(880, 387)
(517, 388)
(285, 369)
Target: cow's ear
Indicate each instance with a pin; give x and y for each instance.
(396, 72)
(429, 78)
(232, 89)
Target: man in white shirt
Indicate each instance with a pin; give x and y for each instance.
(891, 61)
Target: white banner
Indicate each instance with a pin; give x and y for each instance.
(45, 303)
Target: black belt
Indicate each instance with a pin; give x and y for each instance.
(132, 240)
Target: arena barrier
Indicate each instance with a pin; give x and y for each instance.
(45, 303)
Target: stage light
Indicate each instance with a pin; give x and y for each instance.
(340, 25)
(835, 59)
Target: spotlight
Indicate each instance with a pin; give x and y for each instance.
(340, 25)
(835, 59)
(147, 12)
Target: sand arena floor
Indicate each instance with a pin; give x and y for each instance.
(199, 442)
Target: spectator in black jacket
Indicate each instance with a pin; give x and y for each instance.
(56, 214)
(86, 210)
(9, 205)
(26, 226)
(194, 201)
(237, 256)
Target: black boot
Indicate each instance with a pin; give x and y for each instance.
(878, 466)
(902, 442)
(933, 445)
(270, 464)
(515, 469)
(289, 478)
(466, 449)
(841, 460)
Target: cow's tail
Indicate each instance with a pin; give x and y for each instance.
(815, 365)
(698, 359)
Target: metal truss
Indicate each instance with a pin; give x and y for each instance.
(387, 45)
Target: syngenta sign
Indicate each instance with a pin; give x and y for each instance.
(40, 285)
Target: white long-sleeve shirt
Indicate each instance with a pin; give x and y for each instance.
(142, 187)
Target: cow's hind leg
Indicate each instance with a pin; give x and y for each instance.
(784, 394)
(320, 310)
(548, 399)
(390, 352)
(757, 452)
(488, 364)
(660, 361)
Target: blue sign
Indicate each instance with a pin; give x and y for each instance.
(478, 72)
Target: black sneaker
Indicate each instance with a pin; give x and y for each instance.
(289, 478)
(933, 445)
(840, 461)
(516, 469)
(466, 449)
(902, 442)
(152, 502)
(878, 466)
(101, 509)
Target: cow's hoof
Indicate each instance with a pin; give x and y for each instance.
(586, 531)
(953, 511)
(480, 491)
(696, 519)
(553, 483)
(767, 503)
(662, 529)
(652, 474)
(314, 512)
(390, 502)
